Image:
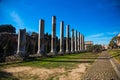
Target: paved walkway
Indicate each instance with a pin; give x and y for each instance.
(102, 69)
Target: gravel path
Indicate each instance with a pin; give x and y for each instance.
(101, 69)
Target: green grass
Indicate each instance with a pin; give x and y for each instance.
(115, 53)
(66, 61)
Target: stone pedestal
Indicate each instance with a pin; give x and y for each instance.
(67, 40)
(53, 37)
(21, 43)
(41, 51)
(61, 52)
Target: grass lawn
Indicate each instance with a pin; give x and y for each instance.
(68, 62)
(115, 53)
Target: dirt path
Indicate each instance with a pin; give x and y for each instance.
(30, 73)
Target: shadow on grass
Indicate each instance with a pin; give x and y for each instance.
(70, 61)
(33, 59)
(7, 76)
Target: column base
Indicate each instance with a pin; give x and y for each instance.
(76, 51)
(21, 53)
(40, 53)
(51, 54)
(72, 52)
(60, 53)
(67, 52)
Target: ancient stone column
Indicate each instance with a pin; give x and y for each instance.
(21, 42)
(53, 37)
(76, 41)
(80, 42)
(41, 38)
(67, 39)
(72, 41)
(61, 52)
(83, 43)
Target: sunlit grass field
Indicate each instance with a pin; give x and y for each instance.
(66, 61)
(115, 53)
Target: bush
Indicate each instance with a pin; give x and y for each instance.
(94, 48)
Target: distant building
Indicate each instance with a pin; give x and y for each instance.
(88, 43)
(104, 47)
(118, 40)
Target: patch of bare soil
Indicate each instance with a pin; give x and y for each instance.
(30, 73)
(74, 74)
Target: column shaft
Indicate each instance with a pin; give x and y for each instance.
(21, 42)
(61, 37)
(41, 38)
(67, 39)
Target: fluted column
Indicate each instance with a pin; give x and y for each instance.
(41, 38)
(67, 39)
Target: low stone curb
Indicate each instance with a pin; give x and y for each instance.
(115, 67)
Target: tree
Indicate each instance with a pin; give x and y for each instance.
(97, 48)
(94, 48)
(7, 28)
(90, 48)
(113, 41)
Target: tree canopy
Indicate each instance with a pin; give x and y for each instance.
(7, 28)
(112, 43)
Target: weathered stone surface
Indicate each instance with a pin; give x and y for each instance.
(80, 42)
(61, 52)
(76, 41)
(53, 38)
(72, 41)
(41, 51)
(21, 42)
(67, 39)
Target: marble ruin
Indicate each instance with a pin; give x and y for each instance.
(76, 41)
(67, 39)
(41, 38)
(61, 38)
(21, 43)
(76, 44)
(53, 38)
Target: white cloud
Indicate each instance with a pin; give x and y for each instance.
(112, 33)
(96, 35)
(16, 18)
(101, 38)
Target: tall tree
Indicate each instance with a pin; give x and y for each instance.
(7, 28)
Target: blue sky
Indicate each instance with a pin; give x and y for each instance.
(98, 20)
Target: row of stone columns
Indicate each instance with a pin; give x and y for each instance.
(77, 40)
